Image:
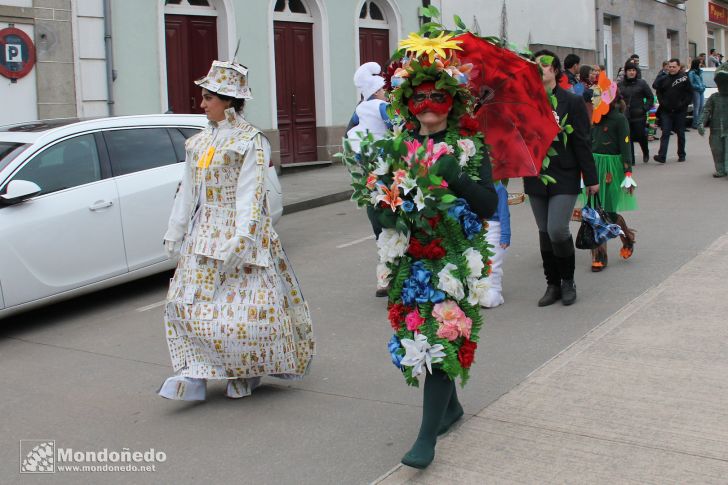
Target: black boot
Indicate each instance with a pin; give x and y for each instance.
(566, 261)
(550, 270)
(552, 295)
(438, 390)
(453, 413)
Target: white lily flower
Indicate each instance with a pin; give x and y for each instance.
(382, 167)
(449, 283)
(419, 199)
(419, 352)
(392, 245)
(475, 262)
(477, 290)
(407, 185)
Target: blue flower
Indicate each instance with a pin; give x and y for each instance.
(468, 219)
(408, 206)
(393, 345)
(456, 210)
(471, 225)
(417, 288)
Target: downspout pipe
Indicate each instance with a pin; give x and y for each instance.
(108, 47)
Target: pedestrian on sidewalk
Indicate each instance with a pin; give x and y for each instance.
(639, 99)
(499, 237)
(695, 74)
(553, 204)
(715, 116)
(370, 117)
(613, 159)
(675, 95)
(234, 311)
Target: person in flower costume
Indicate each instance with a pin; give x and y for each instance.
(431, 188)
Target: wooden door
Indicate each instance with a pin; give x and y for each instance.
(191, 45)
(374, 46)
(295, 91)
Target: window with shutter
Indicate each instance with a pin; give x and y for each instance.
(642, 44)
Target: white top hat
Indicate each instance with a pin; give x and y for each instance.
(228, 79)
(368, 80)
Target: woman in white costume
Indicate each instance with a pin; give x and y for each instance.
(234, 308)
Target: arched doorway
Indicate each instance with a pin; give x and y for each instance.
(190, 28)
(373, 34)
(293, 37)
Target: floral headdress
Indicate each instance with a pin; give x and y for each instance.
(605, 91)
(431, 59)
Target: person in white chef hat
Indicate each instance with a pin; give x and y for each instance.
(371, 114)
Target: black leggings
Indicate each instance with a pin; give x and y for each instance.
(638, 133)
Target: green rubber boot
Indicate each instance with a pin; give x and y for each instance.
(453, 413)
(438, 390)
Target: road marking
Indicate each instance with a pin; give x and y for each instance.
(352, 243)
(152, 306)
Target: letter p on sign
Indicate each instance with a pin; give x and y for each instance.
(12, 53)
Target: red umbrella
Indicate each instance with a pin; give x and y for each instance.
(514, 114)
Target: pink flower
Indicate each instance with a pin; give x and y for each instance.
(399, 175)
(414, 320)
(453, 321)
(449, 332)
(412, 147)
(371, 181)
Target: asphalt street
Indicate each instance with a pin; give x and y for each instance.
(84, 373)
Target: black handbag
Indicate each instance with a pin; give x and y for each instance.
(585, 238)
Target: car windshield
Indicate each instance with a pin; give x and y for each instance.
(709, 79)
(10, 150)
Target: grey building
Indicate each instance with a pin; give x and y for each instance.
(656, 30)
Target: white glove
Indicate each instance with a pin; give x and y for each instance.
(232, 253)
(172, 248)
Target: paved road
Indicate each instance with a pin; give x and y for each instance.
(85, 372)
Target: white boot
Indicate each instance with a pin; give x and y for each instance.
(184, 389)
(237, 388)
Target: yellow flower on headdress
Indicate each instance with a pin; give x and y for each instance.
(430, 45)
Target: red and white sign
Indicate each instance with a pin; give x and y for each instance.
(717, 14)
(17, 53)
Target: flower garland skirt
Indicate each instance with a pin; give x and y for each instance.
(249, 323)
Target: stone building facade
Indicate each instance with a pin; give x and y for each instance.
(707, 26)
(656, 30)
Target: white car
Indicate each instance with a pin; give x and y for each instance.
(84, 204)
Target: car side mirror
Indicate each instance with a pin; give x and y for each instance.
(19, 190)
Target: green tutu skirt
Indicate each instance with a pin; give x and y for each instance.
(612, 196)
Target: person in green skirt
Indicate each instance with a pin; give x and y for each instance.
(613, 159)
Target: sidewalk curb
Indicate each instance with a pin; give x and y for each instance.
(317, 202)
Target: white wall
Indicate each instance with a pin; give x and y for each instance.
(18, 3)
(91, 87)
(20, 99)
(567, 23)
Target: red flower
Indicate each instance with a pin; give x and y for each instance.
(397, 313)
(409, 126)
(468, 125)
(466, 354)
(432, 250)
(434, 221)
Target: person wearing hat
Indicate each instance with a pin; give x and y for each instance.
(370, 117)
(639, 99)
(234, 310)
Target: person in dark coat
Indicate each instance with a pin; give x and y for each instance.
(675, 94)
(553, 204)
(639, 99)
